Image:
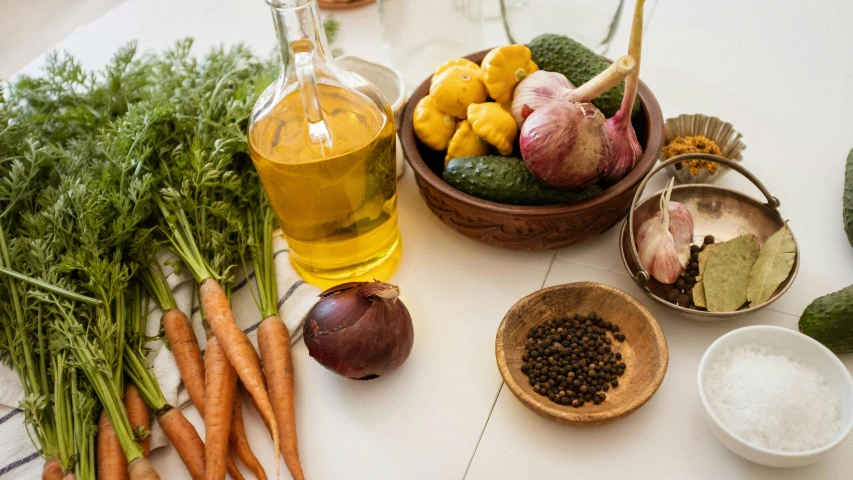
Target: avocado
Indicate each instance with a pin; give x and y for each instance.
(829, 320)
(561, 54)
(507, 180)
(848, 198)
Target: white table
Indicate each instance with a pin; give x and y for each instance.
(781, 75)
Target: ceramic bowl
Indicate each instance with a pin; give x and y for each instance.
(390, 83)
(810, 352)
(722, 133)
(644, 350)
(525, 227)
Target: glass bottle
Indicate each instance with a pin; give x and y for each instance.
(323, 142)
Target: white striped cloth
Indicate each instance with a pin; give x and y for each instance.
(19, 459)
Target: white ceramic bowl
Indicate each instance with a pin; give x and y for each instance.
(810, 352)
(390, 83)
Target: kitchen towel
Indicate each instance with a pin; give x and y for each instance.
(19, 458)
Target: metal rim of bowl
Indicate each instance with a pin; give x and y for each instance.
(642, 277)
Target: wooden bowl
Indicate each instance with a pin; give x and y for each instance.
(523, 227)
(644, 349)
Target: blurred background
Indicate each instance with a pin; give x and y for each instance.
(29, 27)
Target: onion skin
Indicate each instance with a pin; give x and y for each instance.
(359, 330)
(565, 145)
(538, 89)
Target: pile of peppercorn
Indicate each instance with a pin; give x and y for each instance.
(681, 292)
(570, 360)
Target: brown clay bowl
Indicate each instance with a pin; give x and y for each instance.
(523, 227)
(644, 349)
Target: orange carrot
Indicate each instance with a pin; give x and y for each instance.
(111, 463)
(240, 443)
(231, 467)
(140, 469)
(140, 419)
(220, 382)
(52, 469)
(188, 357)
(240, 353)
(185, 439)
(274, 344)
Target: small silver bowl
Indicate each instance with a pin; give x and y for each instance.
(722, 133)
(718, 211)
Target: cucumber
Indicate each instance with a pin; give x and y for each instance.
(829, 320)
(507, 180)
(848, 198)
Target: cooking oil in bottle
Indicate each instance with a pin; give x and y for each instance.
(323, 142)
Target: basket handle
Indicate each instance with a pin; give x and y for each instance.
(642, 277)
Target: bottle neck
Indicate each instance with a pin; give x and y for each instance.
(302, 46)
(298, 25)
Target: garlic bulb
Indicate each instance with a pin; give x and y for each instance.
(663, 241)
(564, 143)
(536, 90)
(626, 150)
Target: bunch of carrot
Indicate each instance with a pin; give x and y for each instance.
(96, 172)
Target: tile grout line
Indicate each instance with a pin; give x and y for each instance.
(495, 402)
(604, 269)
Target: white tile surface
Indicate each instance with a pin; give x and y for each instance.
(665, 439)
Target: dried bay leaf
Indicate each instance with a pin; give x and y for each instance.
(699, 288)
(772, 267)
(727, 273)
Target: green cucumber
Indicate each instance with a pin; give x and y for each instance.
(507, 180)
(829, 320)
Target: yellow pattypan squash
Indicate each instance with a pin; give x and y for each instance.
(465, 143)
(456, 62)
(504, 67)
(494, 125)
(456, 88)
(432, 127)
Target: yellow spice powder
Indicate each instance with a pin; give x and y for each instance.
(695, 144)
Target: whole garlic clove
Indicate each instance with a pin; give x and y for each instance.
(663, 241)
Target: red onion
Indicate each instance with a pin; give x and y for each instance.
(564, 143)
(359, 330)
(626, 150)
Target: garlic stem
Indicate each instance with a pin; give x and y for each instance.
(604, 81)
(634, 50)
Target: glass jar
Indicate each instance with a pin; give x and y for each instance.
(323, 142)
(421, 35)
(590, 22)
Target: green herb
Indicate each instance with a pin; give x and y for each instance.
(727, 273)
(332, 27)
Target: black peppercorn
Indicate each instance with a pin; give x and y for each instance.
(709, 239)
(570, 360)
(673, 293)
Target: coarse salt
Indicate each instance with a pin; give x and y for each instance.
(772, 399)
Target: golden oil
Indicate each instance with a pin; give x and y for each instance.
(336, 204)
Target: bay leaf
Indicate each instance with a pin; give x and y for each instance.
(699, 288)
(727, 273)
(772, 267)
